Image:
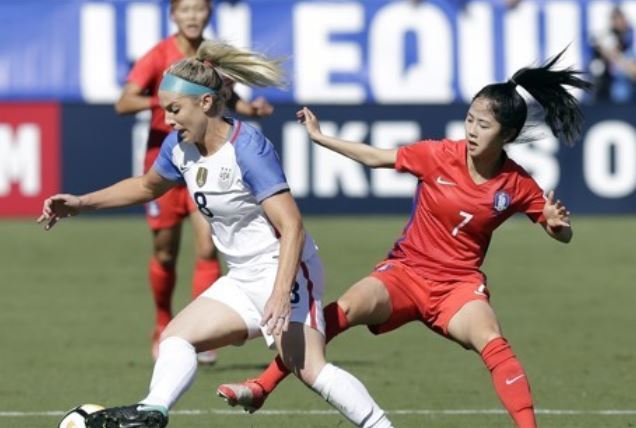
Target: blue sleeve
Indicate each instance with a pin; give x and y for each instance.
(260, 166)
(164, 164)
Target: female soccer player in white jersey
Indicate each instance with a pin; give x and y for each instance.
(166, 214)
(466, 189)
(274, 285)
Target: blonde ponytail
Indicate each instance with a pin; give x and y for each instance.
(218, 65)
(242, 65)
(216, 62)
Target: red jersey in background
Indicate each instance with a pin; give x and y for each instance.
(147, 74)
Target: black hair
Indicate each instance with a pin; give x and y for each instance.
(547, 86)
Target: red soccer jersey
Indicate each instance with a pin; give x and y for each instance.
(453, 218)
(147, 74)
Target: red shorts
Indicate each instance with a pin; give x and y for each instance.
(416, 298)
(171, 208)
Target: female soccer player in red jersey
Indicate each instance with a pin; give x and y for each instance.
(165, 215)
(466, 189)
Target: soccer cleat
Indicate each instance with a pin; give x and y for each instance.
(135, 416)
(207, 358)
(250, 395)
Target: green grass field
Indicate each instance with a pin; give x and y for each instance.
(76, 317)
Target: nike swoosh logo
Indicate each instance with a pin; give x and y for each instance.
(480, 290)
(445, 182)
(183, 168)
(514, 379)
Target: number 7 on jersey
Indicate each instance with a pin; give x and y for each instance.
(467, 217)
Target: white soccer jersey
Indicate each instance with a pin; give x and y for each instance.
(228, 187)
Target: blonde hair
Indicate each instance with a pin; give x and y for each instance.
(218, 65)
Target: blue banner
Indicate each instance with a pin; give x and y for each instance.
(338, 52)
(598, 175)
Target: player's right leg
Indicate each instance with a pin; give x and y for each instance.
(475, 326)
(164, 217)
(367, 302)
(303, 351)
(204, 323)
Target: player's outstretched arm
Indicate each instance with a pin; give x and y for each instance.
(558, 224)
(363, 153)
(131, 191)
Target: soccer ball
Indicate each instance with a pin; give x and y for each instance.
(75, 418)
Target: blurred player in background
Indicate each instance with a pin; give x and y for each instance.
(165, 215)
(466, 189)
(614, 65)
(274, 285)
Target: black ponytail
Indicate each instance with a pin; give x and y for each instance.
(562, 112)
(547, 86)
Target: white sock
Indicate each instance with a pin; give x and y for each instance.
(174, 372)
(350, 397)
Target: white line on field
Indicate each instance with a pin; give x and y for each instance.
(274, 412)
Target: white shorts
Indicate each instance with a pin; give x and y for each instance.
(246, 290)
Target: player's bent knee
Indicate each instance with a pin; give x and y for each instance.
(356, 312)
(167, 259)
(309, 373)
(167, 336)
(305, 367)
(167, 333)
(173, 329)
(482, 338)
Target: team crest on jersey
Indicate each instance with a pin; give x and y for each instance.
(152, 209)
(202, 176)
(225, 174)
(501, 202)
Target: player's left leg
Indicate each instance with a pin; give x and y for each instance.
(302, 349)
(206, 269)
(475, 326)
(366, 302)
(204, 323)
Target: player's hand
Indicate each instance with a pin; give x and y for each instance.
(277, 313)
(309, 119)
(555, 213)
(57, 207)
(261, 107)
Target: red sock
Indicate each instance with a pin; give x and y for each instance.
(335, 323)
(510, 381)
(162, 281)
(205, 273)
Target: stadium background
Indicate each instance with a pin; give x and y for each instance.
(387, 72)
